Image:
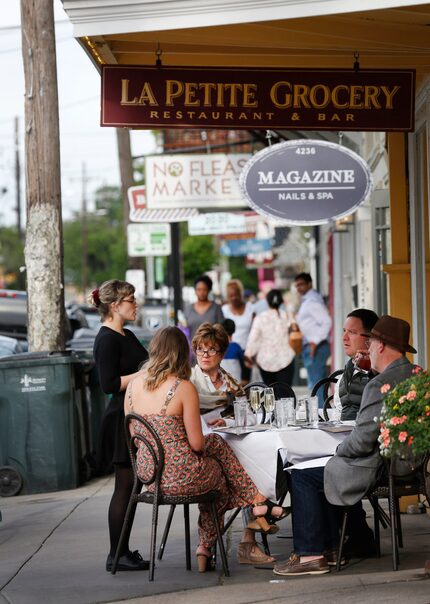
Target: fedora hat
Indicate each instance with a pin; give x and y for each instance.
(392, 331)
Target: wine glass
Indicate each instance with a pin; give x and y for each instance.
(255, 398)
(361, 361)
(269, 403)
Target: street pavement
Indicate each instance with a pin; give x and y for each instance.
(53, 548)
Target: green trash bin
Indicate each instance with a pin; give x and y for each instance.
(43, 422)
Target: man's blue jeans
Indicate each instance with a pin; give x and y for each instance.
(315, 520)
(316, 366)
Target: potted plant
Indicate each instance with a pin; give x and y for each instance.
(405, 419)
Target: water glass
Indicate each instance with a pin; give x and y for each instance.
(281, 413)
(313, 415)
(291, 411)
(302, 410)
(240, 407)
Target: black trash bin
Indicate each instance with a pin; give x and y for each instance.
(97, 401)
(44, 422)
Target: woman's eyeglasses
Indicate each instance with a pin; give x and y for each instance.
(211, 352)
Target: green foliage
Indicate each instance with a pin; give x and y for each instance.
(107, 248)
(198, 256)
(239, 271)
(12, 257)
(405, 419)
(108, 203)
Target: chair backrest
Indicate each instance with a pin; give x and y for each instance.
(326, 383)
(153, 444)
(283, 390)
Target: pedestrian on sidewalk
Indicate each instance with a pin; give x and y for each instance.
(118, 355)
(315, 324)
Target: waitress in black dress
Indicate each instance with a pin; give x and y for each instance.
(118, 355)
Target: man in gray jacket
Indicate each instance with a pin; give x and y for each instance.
(350, 473)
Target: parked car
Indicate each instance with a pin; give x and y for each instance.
(10, 346)
(13, 316)
(84, 313)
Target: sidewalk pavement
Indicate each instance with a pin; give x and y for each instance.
(53, 549)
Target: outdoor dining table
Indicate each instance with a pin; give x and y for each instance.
(264, 453)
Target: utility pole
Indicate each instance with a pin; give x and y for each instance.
(44, 241)
(17, 180)
(127, 180)
(84, 230)
(125, 169)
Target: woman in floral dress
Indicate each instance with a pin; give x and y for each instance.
(194, 463)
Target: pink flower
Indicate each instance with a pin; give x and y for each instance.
(417, 369)
(402, 399)
(385, 388)
(403, 436)
(411, 395)
(410, 440)
(395, 421)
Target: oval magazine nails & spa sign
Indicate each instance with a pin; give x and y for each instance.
(306, 182)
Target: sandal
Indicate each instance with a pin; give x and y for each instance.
(250, 553)
(205, 562)
(259, 522)
(286, 511)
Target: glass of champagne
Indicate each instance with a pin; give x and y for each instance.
(255, 399)
(269, 403)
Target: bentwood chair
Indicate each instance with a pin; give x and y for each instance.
(156, 498)
(326, 383)
(283, 390)
(391, 486)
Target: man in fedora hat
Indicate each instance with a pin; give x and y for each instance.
(349, 474)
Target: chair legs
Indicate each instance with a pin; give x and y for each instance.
(220, 539)
(394, 520)
(231, 519)
(130, 506)
(342, 540)
(265, 544)
(187, 535)
(166, 532)
(399, 523)
(379, 516)
(153, 540)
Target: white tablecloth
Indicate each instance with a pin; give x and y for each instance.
(258, 452)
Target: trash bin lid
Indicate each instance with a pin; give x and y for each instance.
(61, 357)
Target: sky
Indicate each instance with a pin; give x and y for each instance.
(82, 140)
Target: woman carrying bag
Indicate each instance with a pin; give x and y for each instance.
(268, 342)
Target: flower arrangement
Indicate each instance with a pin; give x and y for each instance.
(405, 418)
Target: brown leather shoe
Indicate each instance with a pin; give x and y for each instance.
(250, 553)
(294, 567)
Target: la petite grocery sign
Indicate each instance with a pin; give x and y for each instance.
(306, 182)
